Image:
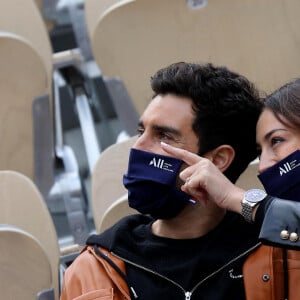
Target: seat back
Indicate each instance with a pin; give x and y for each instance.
(25, 73)
(41, 7)
(94, 11)
(22, 205)
(27, 132)
(117, 210)
(107, 186)
(22, 77)
(27, 23)
(25, 271)
(248, 179)
(259, 39)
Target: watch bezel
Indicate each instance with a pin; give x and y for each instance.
(254, 196)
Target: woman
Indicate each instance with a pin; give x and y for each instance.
(278, 139)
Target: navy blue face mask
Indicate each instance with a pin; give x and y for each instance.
(283, 179)
(151, 181)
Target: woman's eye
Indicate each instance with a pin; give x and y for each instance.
(276, 140)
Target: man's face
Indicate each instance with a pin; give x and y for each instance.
(168, 118)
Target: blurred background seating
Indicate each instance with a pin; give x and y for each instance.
(25, 271)
(107, 186)
(259, 39)
(74, 78)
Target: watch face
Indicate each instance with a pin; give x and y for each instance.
(255, 195)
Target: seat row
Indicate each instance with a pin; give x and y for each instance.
(41, 149)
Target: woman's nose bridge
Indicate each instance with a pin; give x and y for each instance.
(265, 161)
(260, 167)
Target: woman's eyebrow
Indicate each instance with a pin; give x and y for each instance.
(273, 131)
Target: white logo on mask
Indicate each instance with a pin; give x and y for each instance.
(287, 167)
(161, 164)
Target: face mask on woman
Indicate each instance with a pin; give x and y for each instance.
(283, 179)
(152, 184)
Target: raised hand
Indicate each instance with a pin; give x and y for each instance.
(204, 181)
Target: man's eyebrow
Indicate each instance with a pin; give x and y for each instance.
(140, 124)
(167, 129)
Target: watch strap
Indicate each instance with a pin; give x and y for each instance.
(251, 199)
(247, 212)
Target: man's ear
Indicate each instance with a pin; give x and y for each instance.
(221, 156)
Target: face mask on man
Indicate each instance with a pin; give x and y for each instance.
(283, 179)
(151, 181)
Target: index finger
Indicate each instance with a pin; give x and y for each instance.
(187, 156)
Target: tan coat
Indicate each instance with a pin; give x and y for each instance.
(263, 274)
(100, 281)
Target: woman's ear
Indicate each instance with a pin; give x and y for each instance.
(221, 156)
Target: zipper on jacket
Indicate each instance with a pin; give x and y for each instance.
(187, 294)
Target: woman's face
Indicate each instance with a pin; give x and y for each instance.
(275, 139)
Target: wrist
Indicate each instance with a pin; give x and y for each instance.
(235, 200)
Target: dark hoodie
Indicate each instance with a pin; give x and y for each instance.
(209, 267)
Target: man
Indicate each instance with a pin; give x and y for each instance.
(178, 248)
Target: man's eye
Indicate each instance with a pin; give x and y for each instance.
(164, 136)
(140, 131)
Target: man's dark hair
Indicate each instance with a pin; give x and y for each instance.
(226, 104)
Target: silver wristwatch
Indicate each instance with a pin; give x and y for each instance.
(251, 198)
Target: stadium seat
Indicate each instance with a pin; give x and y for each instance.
(22, 206)
(94, 10)
(24, 20)
(249, 179)
(26, 66)
(25, 269)
(31, 137)
(26, 87)
(49, 23)
(23, 76)
(117, 210)
(259, 39)
(107, 186)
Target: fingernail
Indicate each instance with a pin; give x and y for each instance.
(163, 143)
